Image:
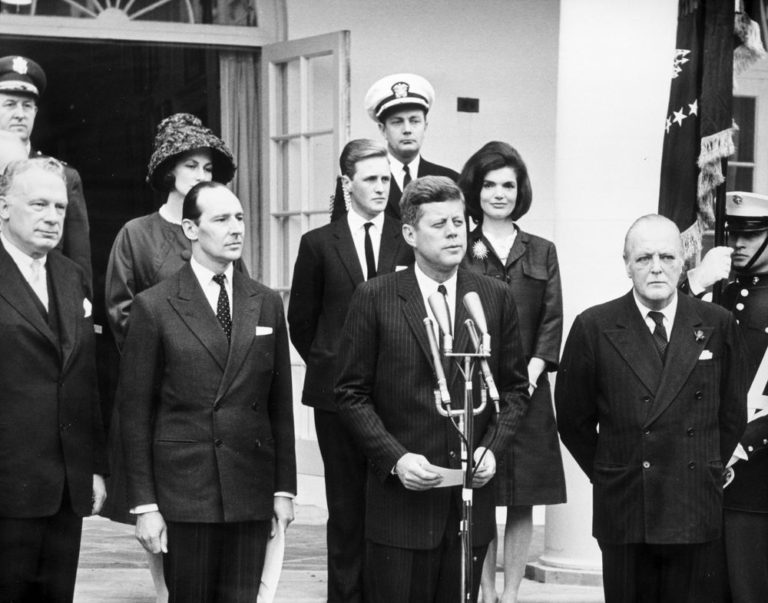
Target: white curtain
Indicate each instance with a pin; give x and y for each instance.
(238, 73)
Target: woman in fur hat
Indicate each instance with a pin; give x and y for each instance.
(151, 248)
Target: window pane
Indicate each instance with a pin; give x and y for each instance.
(744, 116)
(739, 178)
(321, 92)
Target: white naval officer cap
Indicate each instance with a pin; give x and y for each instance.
(398, 90)
(746, 212)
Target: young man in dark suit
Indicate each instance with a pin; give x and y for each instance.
(22, 83)
(332, 261)
(53, 458)
(399, 104)
(385, 394)
(651, 402)
(205, 400)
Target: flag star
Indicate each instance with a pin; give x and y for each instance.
(668, 125)
(679, 117)
(693, 107)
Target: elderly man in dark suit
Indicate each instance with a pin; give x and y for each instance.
(385, 393)
(205, 399)
(651, 402)
(52, 455)
(332, 261)
(22, 83)
(399, 104)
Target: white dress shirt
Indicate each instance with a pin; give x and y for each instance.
(668, 312)
(32, 269)
(210, 287)
(428, 287)
(396, 167)
(357, 228)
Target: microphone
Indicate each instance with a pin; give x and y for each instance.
(493, 392)
(440, 310)
(442, 384)
(475, 308)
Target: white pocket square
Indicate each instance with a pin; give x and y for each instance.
(705, 355)
(399, 268)
(87, 308)
(263, 331)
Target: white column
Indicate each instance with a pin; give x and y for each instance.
(613, 84)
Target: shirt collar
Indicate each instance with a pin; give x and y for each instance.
(205, 275)
(22, 259)
(668, 312)
(428, 285)
(396, 165)
(356, 221)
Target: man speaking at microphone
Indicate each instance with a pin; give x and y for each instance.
(385, 394)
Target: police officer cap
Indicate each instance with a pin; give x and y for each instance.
(396, 92)
(21, 75)
(746, 212)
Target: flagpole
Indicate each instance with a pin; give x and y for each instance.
(720, 225)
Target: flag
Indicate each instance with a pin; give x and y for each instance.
(699, 126)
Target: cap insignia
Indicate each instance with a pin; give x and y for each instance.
(400, 89)
(737, 200)
(20, 65)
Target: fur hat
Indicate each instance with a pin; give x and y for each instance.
(181, 133)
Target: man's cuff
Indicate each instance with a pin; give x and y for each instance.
(286, 495)
(144, 509)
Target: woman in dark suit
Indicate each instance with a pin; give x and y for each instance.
(498, 192)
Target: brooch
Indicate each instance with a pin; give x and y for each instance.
(479, 250)
(699, 335)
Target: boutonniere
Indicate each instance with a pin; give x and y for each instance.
(699, 335)
(479, 250)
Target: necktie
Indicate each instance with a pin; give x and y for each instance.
(37, 282)
(659, 333)
(370, 260)
(222, 306)
(407, 177)
(442, 290)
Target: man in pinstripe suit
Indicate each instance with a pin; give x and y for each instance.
(651, 402)
(384, 392)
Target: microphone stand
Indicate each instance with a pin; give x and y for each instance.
(465, 417)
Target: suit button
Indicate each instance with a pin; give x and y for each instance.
(698, 395)
(452, 454)
(691, 465)
(750, 448)
(739, 306)
(646, 465)
(744, 292)
(647, 432)
(258, 444)
(765, 442)
(218, 443)
(689, 431)
(646, 398)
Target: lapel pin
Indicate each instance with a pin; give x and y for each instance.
(699, 335)
(479, 250)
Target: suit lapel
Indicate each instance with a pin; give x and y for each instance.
(391, 236)
(519, 247)
(193, 308)
(67, 295)
(413, 308)
(686, 343)
(246, 307)
(13, 289)
(345, 247)
(633, 341)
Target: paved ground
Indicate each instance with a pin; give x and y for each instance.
(113, 567)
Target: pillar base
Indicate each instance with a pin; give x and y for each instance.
(542, 572)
